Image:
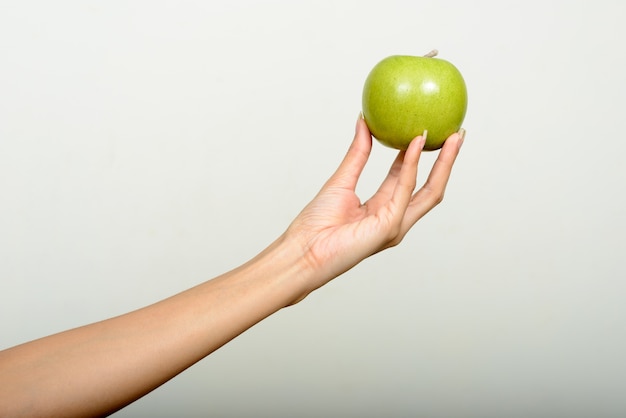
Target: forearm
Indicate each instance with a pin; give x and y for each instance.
(102, 367)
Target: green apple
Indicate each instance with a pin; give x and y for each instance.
(404, 96)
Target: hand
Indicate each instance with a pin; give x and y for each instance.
(337, 231)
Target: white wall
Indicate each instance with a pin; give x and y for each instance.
(146, 146)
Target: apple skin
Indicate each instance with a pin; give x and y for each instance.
(405, 95)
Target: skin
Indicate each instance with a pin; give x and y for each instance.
(99, 368)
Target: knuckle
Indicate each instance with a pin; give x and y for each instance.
(435, 197)
(395, 242)
(395, 234)
(390, 234)
(438, 198)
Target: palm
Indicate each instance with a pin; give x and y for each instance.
(337, 231)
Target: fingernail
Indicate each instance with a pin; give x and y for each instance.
(421, 141)
(360, 118)
(461, 136)
(425, 134)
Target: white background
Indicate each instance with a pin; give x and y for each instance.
(146, 146)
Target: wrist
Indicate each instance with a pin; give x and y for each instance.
(284, 265)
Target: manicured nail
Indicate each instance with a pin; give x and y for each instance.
(461, 136)
(425, 134)
(421, 141)
(360, 118)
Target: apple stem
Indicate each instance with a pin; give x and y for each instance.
(432, 53)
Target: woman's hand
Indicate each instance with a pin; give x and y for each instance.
(336, 230)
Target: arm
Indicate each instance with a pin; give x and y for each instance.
(99, 368)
